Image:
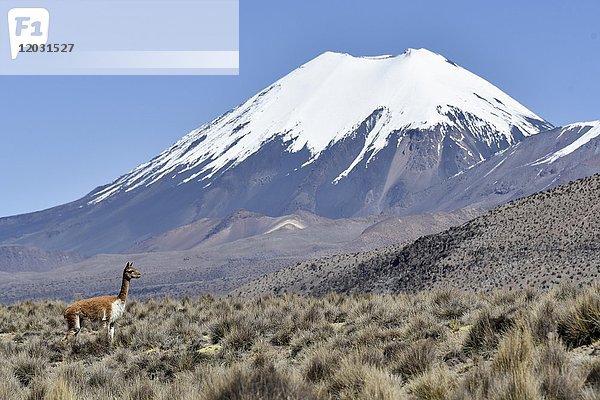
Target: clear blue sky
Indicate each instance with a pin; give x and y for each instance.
(62, 136)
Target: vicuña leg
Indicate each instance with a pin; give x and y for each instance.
(112, 331)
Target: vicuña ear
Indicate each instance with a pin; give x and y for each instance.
(128, 264)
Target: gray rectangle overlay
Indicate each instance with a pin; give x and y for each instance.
(124, 37)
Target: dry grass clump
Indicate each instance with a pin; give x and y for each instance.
(354, 380)
(257, 381)
(442, 344)
(58, 389)
(320, 364)
(414, 358)
(515, 350)
(486, 330)
(559, 378)
(434, 384)
(580, 323)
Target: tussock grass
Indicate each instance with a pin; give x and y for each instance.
(256, 382)
(434, 384)
(443, 344)
(559, 379)
(415, 358)
(487, 328)
(58, 389)
(320, 364)
(515, 351)
(580, 323)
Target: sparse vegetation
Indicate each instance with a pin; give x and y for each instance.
(443, 344)
(537, 242)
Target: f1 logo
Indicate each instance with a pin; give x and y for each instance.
(27, 26)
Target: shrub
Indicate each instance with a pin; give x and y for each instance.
(450, 304)
(141, 390)
(557, 380)
(474, 385)
(9, 385)
(424, 327)
(356, 381)
(519, 384)
(320, 365)
(415, 359)
(243, 382)
(239, 338)
(434, 384)
(543, 319)
(515, 351)
(580, 324)
(219, 328)
(59, 390)
(592, 377)
(484, 334)
(26, 368)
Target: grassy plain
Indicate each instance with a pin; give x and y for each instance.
(442, 344)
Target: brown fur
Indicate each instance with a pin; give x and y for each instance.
(99, 308)
(93, 308)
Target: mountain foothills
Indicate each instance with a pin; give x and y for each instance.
(536, 242)
(341, 136)
(16, 258)
(217, 255)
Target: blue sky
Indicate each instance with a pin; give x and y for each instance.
(62, 136)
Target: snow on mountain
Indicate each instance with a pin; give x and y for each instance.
(340, 137)
(537, 163)
(326, 100)
(590, 131)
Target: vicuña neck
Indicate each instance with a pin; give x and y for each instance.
(124, 289)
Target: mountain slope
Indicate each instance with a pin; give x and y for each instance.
(210, 232)
(537, 163)
(536, 242)
(15, 258)
(340, 136)
(221, 263)
(326, 100)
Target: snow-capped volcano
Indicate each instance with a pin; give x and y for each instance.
(340, 136)
(327, 99)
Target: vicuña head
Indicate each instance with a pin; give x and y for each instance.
(102, 308)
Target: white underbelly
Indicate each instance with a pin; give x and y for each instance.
(117, 310)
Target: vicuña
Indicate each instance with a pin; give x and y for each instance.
(103, 308)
